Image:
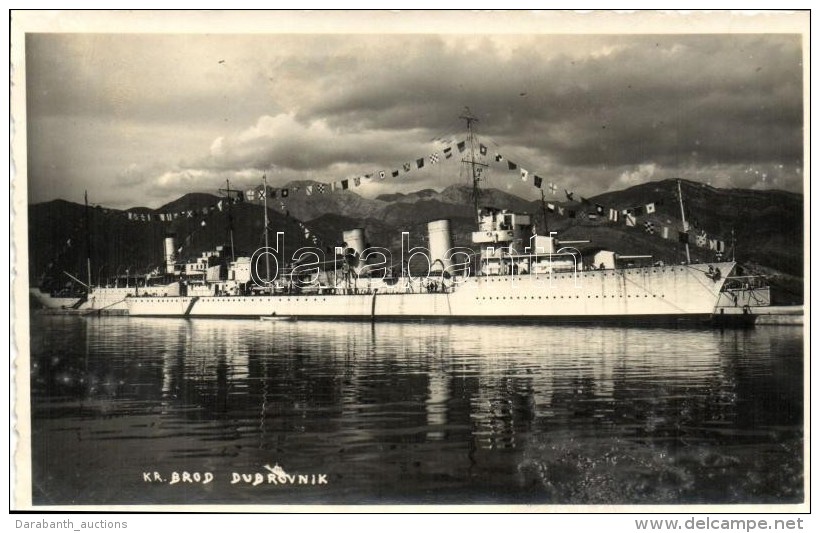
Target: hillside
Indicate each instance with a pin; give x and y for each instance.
(409, 198)
(768, 225)
(193, 200)
(57, 238)
(346, 203)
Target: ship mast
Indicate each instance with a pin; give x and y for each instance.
(685, 225)
(544, 212)
(88, 242)
(265, 201)
(474, 165)
(228, 192)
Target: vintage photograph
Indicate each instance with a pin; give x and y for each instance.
(410, 258)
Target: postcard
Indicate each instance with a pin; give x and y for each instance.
(410, 260)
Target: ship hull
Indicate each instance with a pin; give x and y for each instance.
(102, 300)
(672, 294)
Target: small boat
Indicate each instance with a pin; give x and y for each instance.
(275, 318)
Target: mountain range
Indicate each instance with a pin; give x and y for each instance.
(766, 227)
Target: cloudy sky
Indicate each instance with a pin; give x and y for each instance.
(140, 119)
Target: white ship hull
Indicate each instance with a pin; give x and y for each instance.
(114, 299)
(109, 300)
(653, 293)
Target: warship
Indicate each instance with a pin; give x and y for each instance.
(546, 281)
(511, 273)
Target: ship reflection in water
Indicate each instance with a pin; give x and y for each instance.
(413, 413)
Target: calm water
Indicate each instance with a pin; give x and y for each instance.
(413, 413)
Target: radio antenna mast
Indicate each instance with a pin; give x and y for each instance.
(475, 167)
(685, 224)
(229, 201)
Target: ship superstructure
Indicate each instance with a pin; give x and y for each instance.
(513, 274)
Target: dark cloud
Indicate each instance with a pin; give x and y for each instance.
(730, 98)
(160, 114)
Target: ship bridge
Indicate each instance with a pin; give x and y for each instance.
(510, 245)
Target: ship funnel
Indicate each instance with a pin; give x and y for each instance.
(170, 253)
(354, 240)
(542, 244)
(440, 244)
